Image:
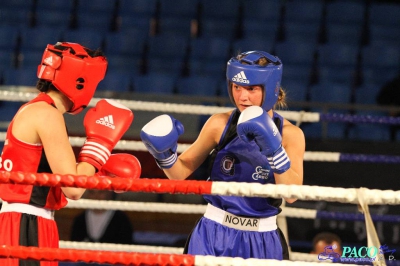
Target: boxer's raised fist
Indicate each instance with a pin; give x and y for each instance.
(160, 136)
(105, 124)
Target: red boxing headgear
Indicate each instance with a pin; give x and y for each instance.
(70, 68)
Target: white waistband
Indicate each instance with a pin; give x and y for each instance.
(28, 209)
(238, 222)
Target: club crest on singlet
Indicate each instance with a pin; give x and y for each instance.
(260, 173)
(227, 165)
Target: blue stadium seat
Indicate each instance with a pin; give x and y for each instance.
(20, 77)
(89, 38)
(384, 14)
(252, 28)
(295, 91)
(370, 131)
(219, 18)
(330, 93)
(367, 93)
(307, 32)
(262, 43)
(175, 25)
(340, 74)
(383, 56)
(307, 11)
(15, 16)
(384, 35)
(168, 46)
(209, 48)
(296, 53)
(95, 22)
(261, 10)
(260, 18)
(133, 21)
(318, 130)
(138, 8)
(7, 59)
(198, 85)
(345, 12)
(30, 59)
(215, 27)
(296, 73)
(96, 14)
(8, 37)
(131, 63)
(59, 19)
(138, 13)
(336, 54)
(344, 33)
(116, 80)
(378, 75)
(127, 42)
(166, 52)
(215, 68)
(178, 8)
(94, 7)
(55, 5)
(170, 65)
(312, 130)
(223, 9)
(33, 39)
(155, 83)
(208, 56)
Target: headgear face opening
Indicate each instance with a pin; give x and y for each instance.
(70, 68)
(247, 72)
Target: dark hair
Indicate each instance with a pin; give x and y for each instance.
(327, 237)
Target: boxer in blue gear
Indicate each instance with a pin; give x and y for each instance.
(252, 144)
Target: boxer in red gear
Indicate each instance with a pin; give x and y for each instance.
(68, 77)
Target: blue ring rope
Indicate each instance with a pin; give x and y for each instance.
(333, 117)
(356, 217)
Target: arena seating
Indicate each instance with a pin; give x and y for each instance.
(319, 42)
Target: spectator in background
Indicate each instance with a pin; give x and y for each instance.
(325, 239)
(104, 226)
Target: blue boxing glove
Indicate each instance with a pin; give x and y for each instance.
(160, 136)
(255, 124)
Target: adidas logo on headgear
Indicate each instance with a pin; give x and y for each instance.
(48, 60)
(107, 121)
(240, 77)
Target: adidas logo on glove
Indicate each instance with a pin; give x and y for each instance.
(107, 121)
(240, 77)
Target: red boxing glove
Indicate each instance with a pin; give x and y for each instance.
(105, 124)
(121, 165)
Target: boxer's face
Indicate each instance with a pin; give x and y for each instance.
(245, 96)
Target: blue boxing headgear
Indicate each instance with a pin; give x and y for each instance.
(245, 70)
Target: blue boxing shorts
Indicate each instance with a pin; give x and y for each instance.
(219, 233)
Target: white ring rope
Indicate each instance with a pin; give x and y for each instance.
(294, 256)
(20, 96)
(133, 145)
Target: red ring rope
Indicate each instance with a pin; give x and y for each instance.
(97, 256)
(107, 183)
